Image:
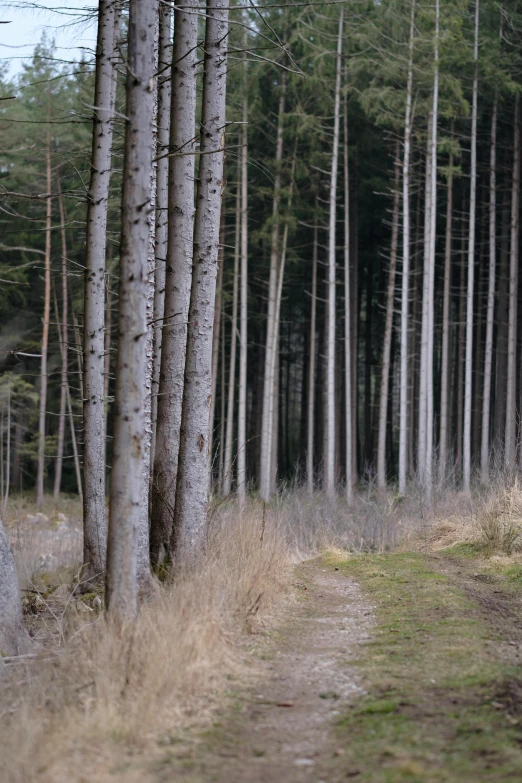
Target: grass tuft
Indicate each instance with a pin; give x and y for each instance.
(103, 696)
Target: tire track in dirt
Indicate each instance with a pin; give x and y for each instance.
(284, 731)
(501, 609)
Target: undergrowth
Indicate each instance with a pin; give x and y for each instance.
(105, 695)
(91, 698)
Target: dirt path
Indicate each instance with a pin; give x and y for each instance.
(283, 731)
(442, 675)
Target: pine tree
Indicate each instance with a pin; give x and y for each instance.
(194, 457)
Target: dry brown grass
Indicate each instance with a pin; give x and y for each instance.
(22, 505)
(104, 697)
(490, 517)
(499, 519)
(96, 701)
(44, 541)
(443, 532)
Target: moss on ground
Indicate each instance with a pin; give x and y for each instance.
(444, 701)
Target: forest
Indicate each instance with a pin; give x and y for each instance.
(261, 333)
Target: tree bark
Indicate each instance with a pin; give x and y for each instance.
(311, 365)
(433, 241)
(76, 455)
(223, 400)
(330, 476)
(468, 390)
(445, 353)
(14, 639)
(274, 413)
(8, 449)
(144, 576)
(354, 310)
(348, 370)
(499, 411)
(388, 329)
(461, 339)
(424, 348)
(79, 351)
(268, 382)
(130, 397)
(243, 317)
(192, 489)
(404, 382)
(64, 350)
(178, 277)
(510, 434)
(74, 442)
(216, 333)
(107, 348)
(228, 465)
(94, 514)
(162, 189)
(488, 363)
(274, 369)
(478, 354)
(46, 315)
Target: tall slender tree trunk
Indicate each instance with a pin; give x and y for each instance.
(468, 390)
(368, 398)
(268, 382)
(223, 412)
(178, 277)
(274, 369)
(510, 436)
(17, 462)
(2, 492)
(144, 575)
(461, 352)
(108, 343)
(433, 241)
(243, 319)
(274, 414)
(499, 412)
(348, 373)
(388, 328)
(228, 467)
(130, 416)
(8, 449)
(445, 352)
(46, 315)
(354, 255)
(414, 359)
(14, 639)
(404, 382)
(64, 350)
(478, 365)
(94, 515)
(70, 413)
(162, 194)
(192, 487)
(216, 333)
(311, 365)
(76, 455)
(329, 477)
(424, 348)
(488, 363)
(78, 350)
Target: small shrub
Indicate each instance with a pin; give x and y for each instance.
(500, 520)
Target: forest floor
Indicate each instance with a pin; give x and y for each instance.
(393, 667)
